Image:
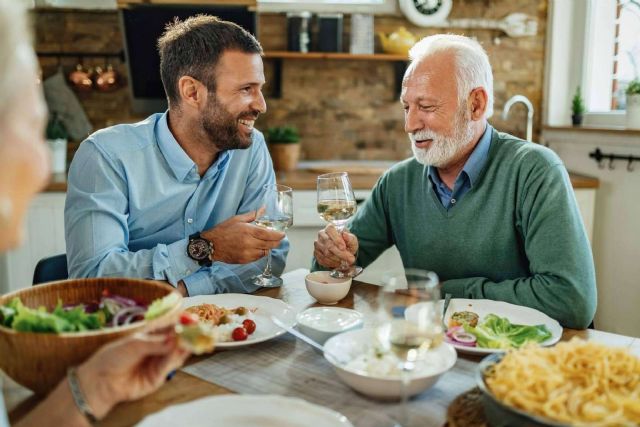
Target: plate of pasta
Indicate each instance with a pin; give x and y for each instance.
(576, 383)
(239, 320)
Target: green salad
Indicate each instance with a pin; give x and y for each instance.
(498, 332)
(493, 332)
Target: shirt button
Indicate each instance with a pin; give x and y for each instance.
(190, 220)
(453, 201)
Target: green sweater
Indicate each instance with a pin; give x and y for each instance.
(516, 236)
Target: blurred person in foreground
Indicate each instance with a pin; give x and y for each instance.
(123, 370)
(173, 197)
(494, 216)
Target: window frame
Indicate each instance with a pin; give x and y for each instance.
(569, 55)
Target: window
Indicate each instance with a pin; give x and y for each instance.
(612, 53)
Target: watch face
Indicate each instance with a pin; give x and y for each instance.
(428, 7)
(199, 249)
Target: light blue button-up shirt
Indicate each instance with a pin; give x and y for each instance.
(4, 421)
(467, 176)
(134, 197)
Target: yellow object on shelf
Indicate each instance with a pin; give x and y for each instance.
(399, 42)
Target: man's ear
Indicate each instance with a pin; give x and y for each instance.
(192, 92)
(478, 100)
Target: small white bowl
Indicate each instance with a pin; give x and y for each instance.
(326, 289)
(321, 323)
(350, 345)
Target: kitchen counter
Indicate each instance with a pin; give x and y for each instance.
(361, 179)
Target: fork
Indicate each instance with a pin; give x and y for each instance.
(447, 300)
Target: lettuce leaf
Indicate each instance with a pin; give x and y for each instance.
(24, 319)
(499, 333)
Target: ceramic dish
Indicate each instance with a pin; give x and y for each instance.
(321, 323)
(246, 410)
(497, 413)
(265, 307)
(515, 313)
(348, 346)
(326, 289)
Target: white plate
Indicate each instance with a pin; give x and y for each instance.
(246, 410)
(265, 308)
(515, 313)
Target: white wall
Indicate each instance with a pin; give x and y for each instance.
(616, 235)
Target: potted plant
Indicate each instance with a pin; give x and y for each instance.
(633, 104)
(577, 108)
(284, 147)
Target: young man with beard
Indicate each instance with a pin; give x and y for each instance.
(494, 216)
(173, 197)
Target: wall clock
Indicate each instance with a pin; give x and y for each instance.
(425, 12)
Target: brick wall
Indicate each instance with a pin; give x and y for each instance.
(345, 109)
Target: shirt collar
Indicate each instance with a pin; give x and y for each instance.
(474, 163)
(479, 156)
(180, 163)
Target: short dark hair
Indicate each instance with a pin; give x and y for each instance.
(194, 46)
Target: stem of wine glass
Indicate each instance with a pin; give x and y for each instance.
(405, 377)
(343, 264)
(267, 268)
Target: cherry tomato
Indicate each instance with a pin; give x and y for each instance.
(239, 334)
(249, 325)
(188, 318)
(106, 293)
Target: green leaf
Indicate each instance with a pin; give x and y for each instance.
(499, 333)
(282, 135)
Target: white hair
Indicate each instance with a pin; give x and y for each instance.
(14, 36)
(472, 63)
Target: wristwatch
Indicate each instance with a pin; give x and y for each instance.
(200, 249)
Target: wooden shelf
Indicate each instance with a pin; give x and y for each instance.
(335, 55)
(128, 3)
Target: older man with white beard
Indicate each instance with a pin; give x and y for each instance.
(493, 215)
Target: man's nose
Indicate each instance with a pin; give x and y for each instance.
(412, 121)
(259, 104)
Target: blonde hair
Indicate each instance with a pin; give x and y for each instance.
(14, 35)
(473, 68)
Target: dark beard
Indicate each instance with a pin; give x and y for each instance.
(221, 127)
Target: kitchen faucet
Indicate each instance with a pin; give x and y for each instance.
(514, 100)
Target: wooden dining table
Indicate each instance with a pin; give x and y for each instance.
(184, 387)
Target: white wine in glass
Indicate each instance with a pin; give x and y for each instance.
(336, 205)
(277, 201)
(409, 321)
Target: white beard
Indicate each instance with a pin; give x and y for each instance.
(443, 149)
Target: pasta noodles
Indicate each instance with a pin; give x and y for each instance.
(575, 382)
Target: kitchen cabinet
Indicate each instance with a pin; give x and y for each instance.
(44, 236)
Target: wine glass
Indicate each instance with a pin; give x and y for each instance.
(277, 201)
(409, 321)
(336, 204)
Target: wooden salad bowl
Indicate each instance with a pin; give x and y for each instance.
(39, 361)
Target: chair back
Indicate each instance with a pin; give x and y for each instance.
(50, 269)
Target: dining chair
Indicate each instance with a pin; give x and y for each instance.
(50, 269)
